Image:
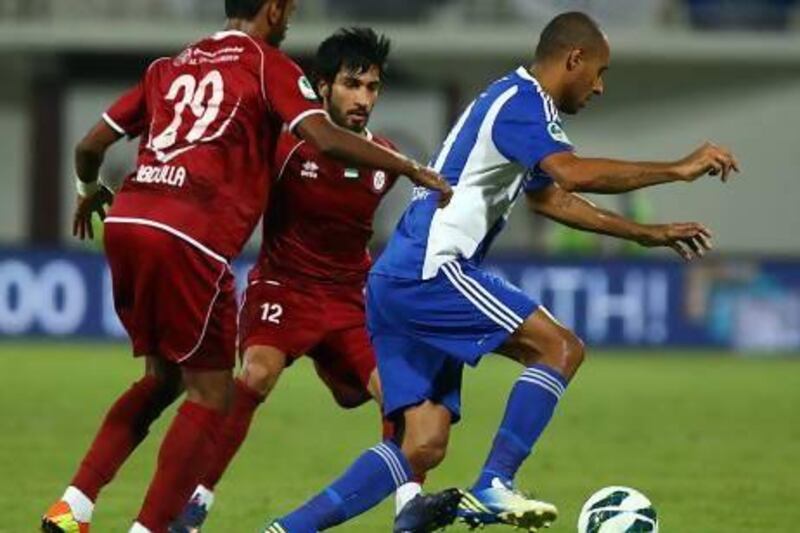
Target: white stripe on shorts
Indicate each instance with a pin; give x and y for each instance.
(489, 296)
(482, 306)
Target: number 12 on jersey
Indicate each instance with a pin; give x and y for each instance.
(271, 313)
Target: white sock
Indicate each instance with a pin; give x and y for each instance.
(138, 528)
(405, 493)
(203, 496)
(79, 503)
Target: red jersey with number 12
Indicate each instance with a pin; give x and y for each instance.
(320, 216)
(209, 121)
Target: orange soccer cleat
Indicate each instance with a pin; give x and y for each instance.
(59, 519)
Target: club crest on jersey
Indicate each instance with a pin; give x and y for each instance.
(557, 133)
(379, 180)
(306, 89)
(310, 170)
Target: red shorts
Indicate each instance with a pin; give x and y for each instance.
(325, 322)
(175, 301)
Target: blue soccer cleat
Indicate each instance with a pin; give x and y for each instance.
(191, 518)
(428, 512)
(502, 504)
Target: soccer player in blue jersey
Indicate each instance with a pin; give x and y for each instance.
(432, 309)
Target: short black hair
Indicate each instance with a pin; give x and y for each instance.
(243, 9)
(567, 31)
(355, 49)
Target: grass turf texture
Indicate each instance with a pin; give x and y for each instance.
(713, 441)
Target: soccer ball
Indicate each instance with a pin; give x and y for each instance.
(618, 510)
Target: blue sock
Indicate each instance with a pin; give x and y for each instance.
(374, 476)
(528, 411)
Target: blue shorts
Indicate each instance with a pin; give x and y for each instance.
(423, 331)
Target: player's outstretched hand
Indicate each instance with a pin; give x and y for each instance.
(690, 240)
(709, 159)
(86, 205)
(429, 178)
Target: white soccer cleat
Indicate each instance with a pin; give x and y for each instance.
(502, 504)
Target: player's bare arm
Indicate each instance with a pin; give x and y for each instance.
(608, 176)
(92, 196)
(344, 145)
(688, 239)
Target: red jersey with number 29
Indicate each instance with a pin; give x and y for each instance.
(209, 120)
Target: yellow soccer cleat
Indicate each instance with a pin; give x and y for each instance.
(59, 519)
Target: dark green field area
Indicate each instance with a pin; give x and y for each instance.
(713, 440)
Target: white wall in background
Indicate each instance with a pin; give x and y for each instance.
(14, 162)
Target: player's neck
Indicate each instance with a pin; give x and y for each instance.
(549, 79)
(253, 28)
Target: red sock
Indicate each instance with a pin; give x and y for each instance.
(186, 450)
(123, 428)
(233, 432)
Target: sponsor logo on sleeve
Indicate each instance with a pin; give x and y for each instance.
(306, 89)
(557, 133)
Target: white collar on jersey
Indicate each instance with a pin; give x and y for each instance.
(368, 134)
(228, 33)
(522, 72)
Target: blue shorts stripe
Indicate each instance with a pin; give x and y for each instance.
(501, 307)
(476, 300)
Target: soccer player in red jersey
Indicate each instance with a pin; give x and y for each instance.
(305, 294)
(209, 120)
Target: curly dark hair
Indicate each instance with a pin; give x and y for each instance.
(356, 49)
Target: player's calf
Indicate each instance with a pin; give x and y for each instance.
(425, 434)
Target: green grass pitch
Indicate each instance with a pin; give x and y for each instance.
(713, 440)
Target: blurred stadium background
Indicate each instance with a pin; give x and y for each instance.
(693, 395)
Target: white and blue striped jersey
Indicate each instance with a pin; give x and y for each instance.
(489, 157)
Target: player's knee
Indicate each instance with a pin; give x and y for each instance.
(166, 392)
(350, 398)
(262, 368)
(572, 353)
(561, 349)
(425, 451)
(210, 388)
(161, 393)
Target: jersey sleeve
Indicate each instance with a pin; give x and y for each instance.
(288, 90)
(128, 115)
(527, 131)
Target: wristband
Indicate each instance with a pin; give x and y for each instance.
(110, 188)
(85, 188)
